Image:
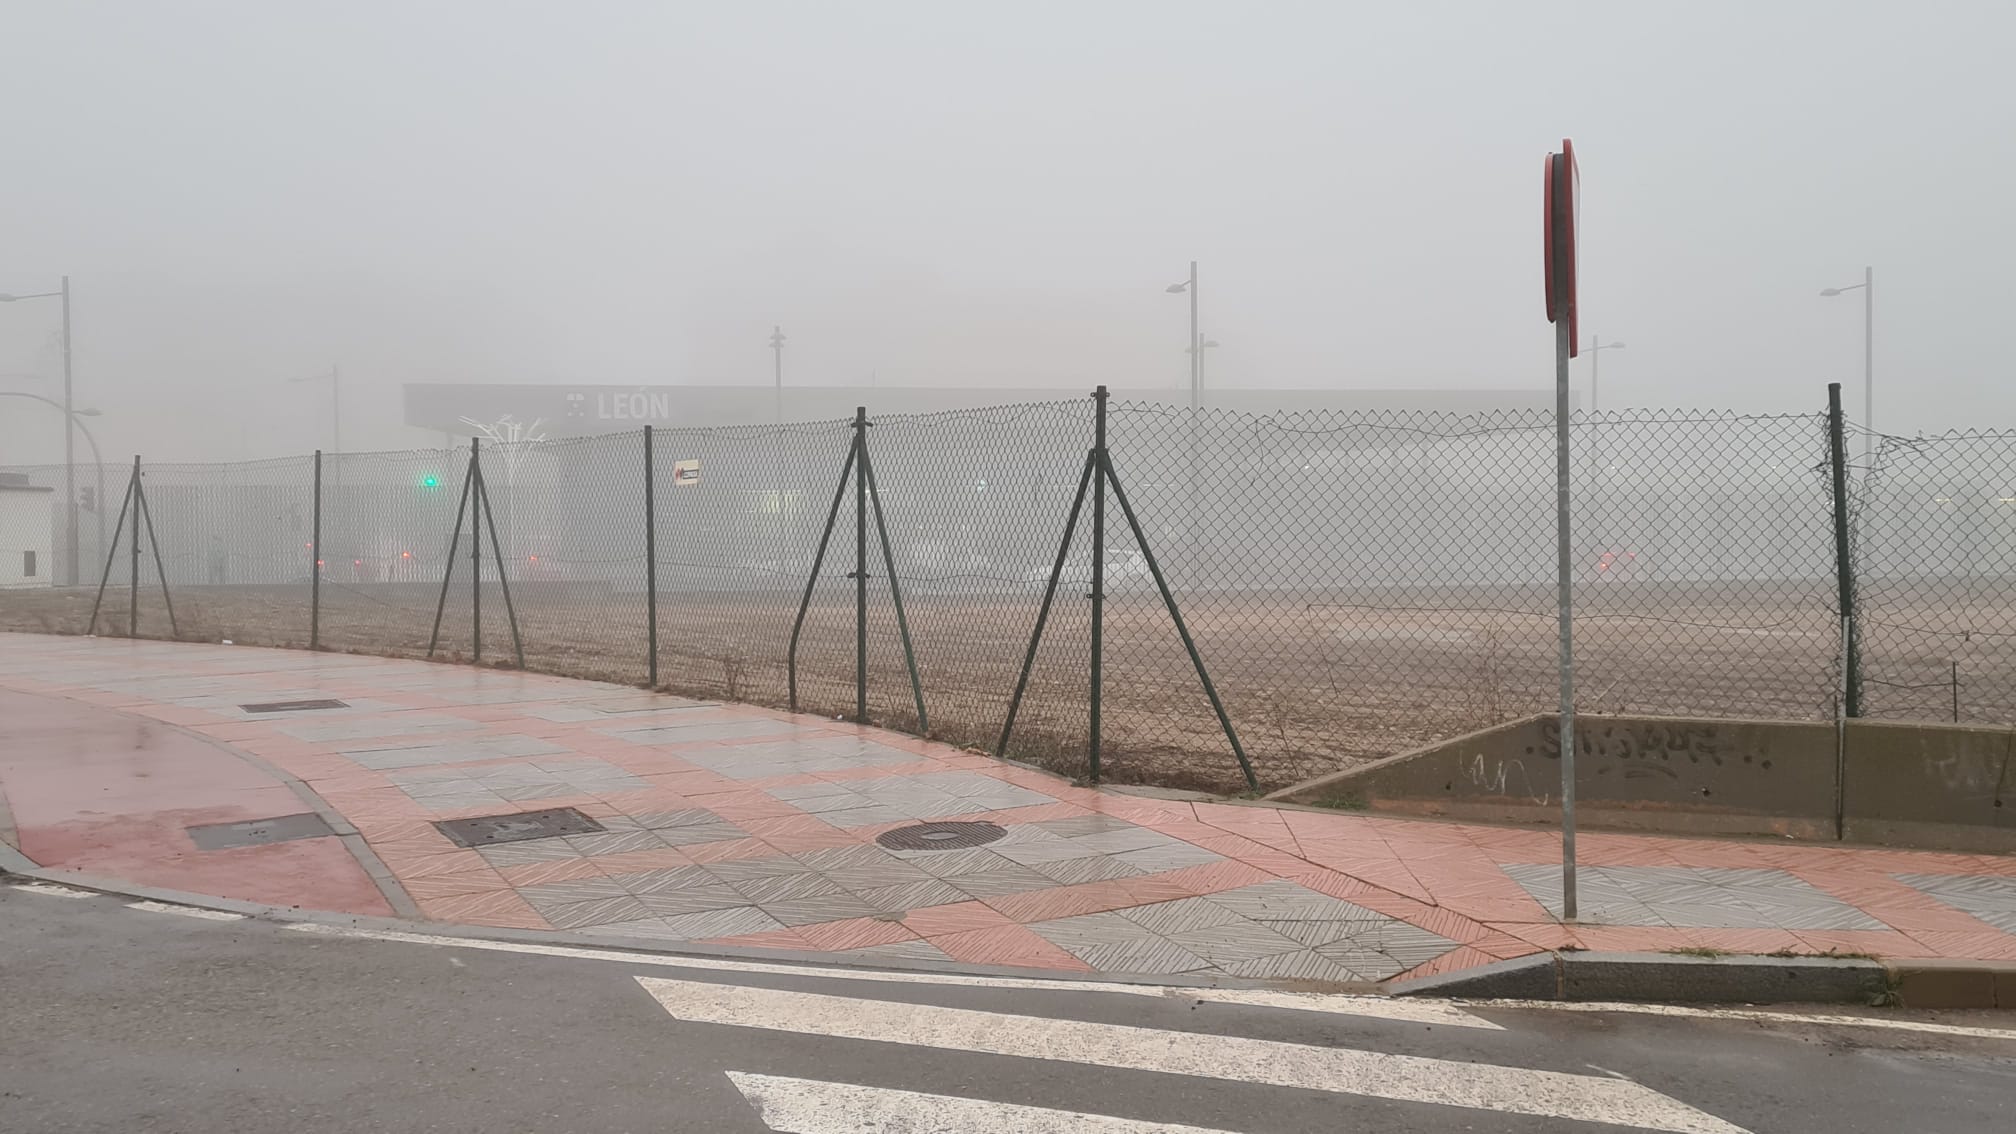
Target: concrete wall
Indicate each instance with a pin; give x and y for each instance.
(1917, 785)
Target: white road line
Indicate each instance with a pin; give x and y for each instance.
(808, 1106)
(1756, 1015)
(1335, 1004)
(53, 890)
(1403, 1078)
(186, 911)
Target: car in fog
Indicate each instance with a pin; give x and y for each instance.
(1125, 568)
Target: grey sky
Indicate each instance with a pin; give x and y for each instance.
(989, 194)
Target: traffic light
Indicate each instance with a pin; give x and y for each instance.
(87, 499)
(430, 481)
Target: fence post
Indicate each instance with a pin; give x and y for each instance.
(1844, 557)
(812, 576)
(1098, 574)
(503, 575)
(867, 471)
(448, 561)
(133, 583)
(314, 553)
(860, 567)
(111, 553)
(475, 551)
(651, 556)
(1043, 612)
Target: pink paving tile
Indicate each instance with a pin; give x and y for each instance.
(1633, 938)
(1331, 882)
(1151, 888)
(1007, 945)
(500, 908)
(933, 921)
(1504, 946)
(1213, 877)
(1993, 945)
(1879, 943)
(728, 850)
(854, 933)
(1455, 960)
(453, 885)
(1748, 940)
(431, 865)
(814, 840)
(1064, 901)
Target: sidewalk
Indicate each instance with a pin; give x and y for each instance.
(734, 825)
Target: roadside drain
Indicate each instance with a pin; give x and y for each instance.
(294, 706)
(517, 827)
(258, 832)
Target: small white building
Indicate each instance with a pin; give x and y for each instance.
(27, 532)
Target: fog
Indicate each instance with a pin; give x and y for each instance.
(934, 194)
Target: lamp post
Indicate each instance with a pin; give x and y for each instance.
(335, 380)
(777, 349)
(97, 459)
(1868, 289)
(1195, 340)
(1596, 345)
(69, 418)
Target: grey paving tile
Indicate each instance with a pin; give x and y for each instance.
(1031, 853)
(1145, 956)
(785, 887)
(663, 880)
(1083, 825)
(600, 911)
(834, 858)
(912, 896)
(692, 899)
(1174, 917)
(858, 878)
(744, 869)
(1305, 964)
(1072, 933)
(864, 817)
(1314, 933)
(1235, 941)
(1281, 900)
(615, 842)
(566, 893)
(1095, 868)
(687, 734)
(826, 804)
(1120, 842)
(520, 793)
(1000, 883)
(1155, 860)
(826, 907)
(531, 850)
(690, 817)
(695, 834)
(650, 928)
(732, 922)
(1361, 964)
(951, 863)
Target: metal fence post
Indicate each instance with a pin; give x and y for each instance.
(1098, 576)
(111, 553)
(651, 557)
(475, 551)
(1049, 597)
(812, 578)
(1844, 556)
(314, 553)
(860, 567)
(133, 582)
(867, 472)
(503, 576)
(448, 561)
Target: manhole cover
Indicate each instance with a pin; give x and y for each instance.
(258, 832)
(940, 836)
(293, 706)
(488, 830)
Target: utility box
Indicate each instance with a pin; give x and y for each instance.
(27, 532)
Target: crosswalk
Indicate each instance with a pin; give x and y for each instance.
(804, 1106)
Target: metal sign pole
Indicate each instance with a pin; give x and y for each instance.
(1561, 215)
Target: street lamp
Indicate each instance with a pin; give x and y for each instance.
(1191, 345)
(1595, 345)
(69, 419)
(335, 379)
(97, 458)
(777, 348)
(1868, 289)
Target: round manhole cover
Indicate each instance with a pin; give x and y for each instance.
(941, 836)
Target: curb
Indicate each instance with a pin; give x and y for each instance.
(1663, 978)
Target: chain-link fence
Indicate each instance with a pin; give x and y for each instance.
(1353, 584)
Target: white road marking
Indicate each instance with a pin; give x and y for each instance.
(1756, 1015)
(186, 911)
(1336, 1004)
(808, 1106)
(53, 890)
(1403, 1078)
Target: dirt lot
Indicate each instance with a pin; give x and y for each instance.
(1313, 681)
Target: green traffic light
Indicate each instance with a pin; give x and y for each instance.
(430, 482)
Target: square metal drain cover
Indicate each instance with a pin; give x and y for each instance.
(258, 832)
(517, 827)
(293, 706)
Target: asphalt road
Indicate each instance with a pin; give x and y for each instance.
(134, 1019)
